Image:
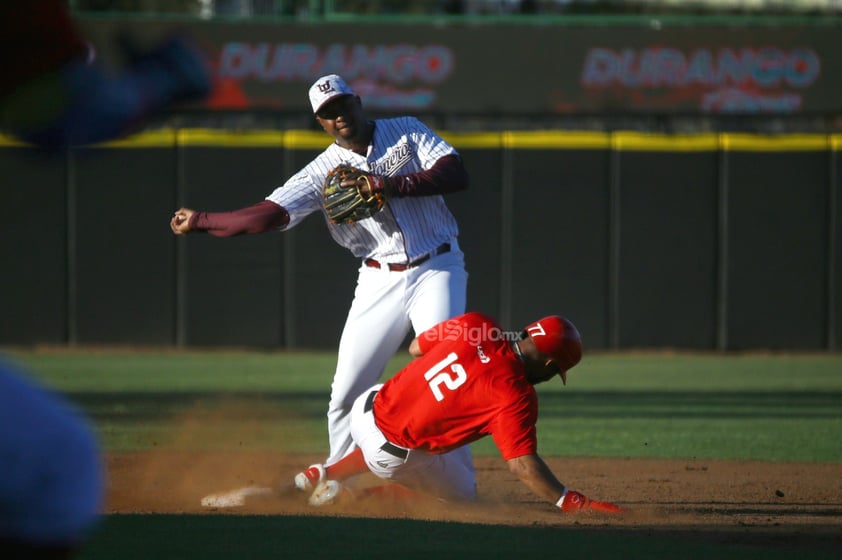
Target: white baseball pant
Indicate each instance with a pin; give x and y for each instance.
(386, 305)
(449, 476)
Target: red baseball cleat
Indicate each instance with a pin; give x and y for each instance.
(307, 480)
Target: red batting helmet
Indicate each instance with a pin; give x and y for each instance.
(558, 339)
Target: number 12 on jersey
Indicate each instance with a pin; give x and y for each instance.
(438, 375)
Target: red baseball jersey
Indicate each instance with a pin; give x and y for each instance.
(468, 384)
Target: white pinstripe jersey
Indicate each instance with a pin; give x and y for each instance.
(406, 228)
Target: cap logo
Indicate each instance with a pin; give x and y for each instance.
(325, 87)
(536, 330)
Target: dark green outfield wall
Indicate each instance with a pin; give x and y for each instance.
(699, 242)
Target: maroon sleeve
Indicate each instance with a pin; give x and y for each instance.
(263, 216)
(447, 175)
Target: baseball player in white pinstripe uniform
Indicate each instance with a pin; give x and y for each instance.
(412, 272)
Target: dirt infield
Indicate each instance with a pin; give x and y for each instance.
(797, 505)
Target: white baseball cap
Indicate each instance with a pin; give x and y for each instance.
(327, 88)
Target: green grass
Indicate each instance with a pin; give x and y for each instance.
(760, 407)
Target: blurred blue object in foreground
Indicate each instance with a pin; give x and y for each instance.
(54, 94)
(51, 473)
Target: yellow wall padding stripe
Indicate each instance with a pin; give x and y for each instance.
(231, 138)
(638, 141)
(474, 140)
(10, 141)
(552, 140)
(577, 140)
(163, 138)
(306, 140)
(292, 139)
(782, 143)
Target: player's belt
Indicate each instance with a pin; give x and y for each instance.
(369, 402)
(400, 267)
(390, 448)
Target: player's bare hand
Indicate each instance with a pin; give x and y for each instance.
(180, 222)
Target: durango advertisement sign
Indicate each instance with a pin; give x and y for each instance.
(505, 68)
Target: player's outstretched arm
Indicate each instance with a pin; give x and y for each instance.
(259, 218)
(534, 473)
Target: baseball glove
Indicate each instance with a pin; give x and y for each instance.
(353, 202)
